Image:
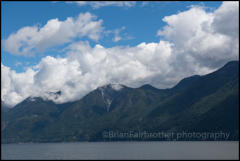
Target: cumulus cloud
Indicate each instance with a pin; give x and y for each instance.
(226, 20)
(31, 39)
(210, 38)
(85, 68)
(96, 4)
(193, 44)
(15, 86)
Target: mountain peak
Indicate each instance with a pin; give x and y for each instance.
(114, 86)
(148, 86)
(230, 69)
(234, 62)
(208, 98)
(33, 99)
(54, 95)
(109, 92)
(186, 82)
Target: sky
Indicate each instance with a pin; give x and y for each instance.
(75, 47)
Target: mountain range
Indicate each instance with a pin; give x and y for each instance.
(197, 104)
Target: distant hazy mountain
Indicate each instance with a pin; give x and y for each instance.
(206, 103)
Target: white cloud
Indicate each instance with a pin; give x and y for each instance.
(15, 86)
(86, 68)
(226, 20)
(31, 39)
(97, 4)
(117, 36)
(18, 64)
(116, 87)
(211, 38)
(193, 45)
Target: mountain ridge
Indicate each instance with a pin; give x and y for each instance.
(191, 103)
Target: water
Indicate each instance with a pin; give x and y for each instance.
(122, 150)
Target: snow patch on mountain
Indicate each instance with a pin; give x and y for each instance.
(108, 103)
(116, 87)
(31, 99)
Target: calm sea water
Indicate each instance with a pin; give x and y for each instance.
(122, 150)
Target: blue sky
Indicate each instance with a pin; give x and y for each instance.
(76, 47)
(141, 23)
